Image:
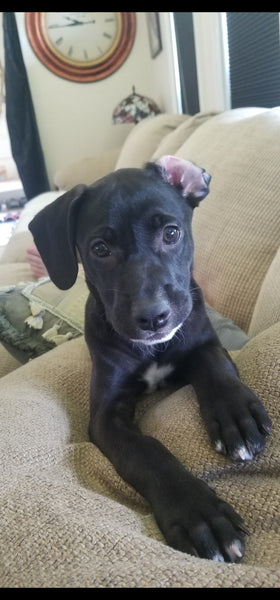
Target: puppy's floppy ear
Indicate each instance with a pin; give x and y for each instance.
(191, 179)
(53, 230)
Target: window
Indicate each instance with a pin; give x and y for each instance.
(254, 58)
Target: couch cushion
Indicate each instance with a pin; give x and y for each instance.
(174, 140)
(267, 308)
(145, 137)
(236, 228)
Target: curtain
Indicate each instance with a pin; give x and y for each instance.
(21, 121)
(183, 24)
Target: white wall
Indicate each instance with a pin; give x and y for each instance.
(75, 119)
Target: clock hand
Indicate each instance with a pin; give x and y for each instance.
(72, 24)
(76, 22)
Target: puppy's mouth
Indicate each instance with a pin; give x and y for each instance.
(157, 337)
(156, 324)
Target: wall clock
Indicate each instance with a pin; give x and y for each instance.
(81, 46)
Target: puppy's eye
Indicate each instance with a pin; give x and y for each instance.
(100, 249)
(171, 234)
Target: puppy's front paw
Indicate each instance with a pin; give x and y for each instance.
(198, 522)
(237, 422)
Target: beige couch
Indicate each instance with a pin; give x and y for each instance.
(68, 520)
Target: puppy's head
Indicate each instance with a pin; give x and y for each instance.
(132, 229)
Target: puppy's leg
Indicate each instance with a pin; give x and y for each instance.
(236, 420)
(191, 516)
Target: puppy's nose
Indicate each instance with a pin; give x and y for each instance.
(153, 317)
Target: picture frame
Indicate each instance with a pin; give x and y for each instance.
(154, 33)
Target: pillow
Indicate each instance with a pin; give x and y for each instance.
(175, 138)
(229, 334)
(87, 170)
(37, 316)
(144, 138)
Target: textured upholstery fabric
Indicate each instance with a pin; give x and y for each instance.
(68, 520)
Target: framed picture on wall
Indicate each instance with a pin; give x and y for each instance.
(154, 33)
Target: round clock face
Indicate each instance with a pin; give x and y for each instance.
(81, 46)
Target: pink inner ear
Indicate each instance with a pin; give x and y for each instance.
(175, 168)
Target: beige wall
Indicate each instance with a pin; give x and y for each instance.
(74, 119)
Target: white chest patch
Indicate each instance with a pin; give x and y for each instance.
(156, 374)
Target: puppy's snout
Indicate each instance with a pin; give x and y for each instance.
(152, 317)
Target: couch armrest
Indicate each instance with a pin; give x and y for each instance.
(259, 367)
(15, 250)
(267, 307)
(87, 170)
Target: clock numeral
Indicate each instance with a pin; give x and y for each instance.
(85, 55)
(59, 41)
(70, 51)
(107, 35)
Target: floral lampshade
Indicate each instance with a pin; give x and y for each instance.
(134, 108)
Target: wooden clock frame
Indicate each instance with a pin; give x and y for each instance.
(82, 74)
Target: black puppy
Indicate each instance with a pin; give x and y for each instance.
(146, 322)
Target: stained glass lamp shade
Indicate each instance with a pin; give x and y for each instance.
(134, 108)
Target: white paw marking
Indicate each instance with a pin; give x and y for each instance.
(218, 446)
(235, 548)
(218, 557)
(155, 374)
(243, 453)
